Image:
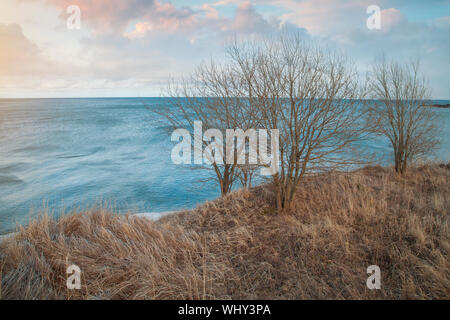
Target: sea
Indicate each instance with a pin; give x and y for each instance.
(66, 154)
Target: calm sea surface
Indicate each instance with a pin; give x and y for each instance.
(67, 154)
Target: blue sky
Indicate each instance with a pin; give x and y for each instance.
(130, 48)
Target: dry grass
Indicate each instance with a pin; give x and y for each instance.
(238, 247)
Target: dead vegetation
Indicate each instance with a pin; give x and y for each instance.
(239, 246)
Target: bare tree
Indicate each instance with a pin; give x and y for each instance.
(210, 95)
(246, 174)
(400, 110)
(307, 92)
(311, 95)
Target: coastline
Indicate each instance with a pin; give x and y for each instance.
(155, 215)
(6, 235)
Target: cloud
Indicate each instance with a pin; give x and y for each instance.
(134, 18)
(117, 16)
(172, 46)
(323, 17)
(167, 18)
(23, 64)
(18, 55)
(248, 20)
(390, 18)
(107, 16)
(402, 40)
(210, 11)
(139, 43)
(443, 22)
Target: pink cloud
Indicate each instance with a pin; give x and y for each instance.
(107, 16)
(390, 18)
(18, 55)
(169, 19)
(210, 11)
(116, 16)
(23, 64)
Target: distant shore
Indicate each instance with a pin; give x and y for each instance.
(445, 106)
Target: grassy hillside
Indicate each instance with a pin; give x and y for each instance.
(239, 247)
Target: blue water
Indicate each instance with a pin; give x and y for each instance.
(67, 154)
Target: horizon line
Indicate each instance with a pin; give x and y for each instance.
(146, 97)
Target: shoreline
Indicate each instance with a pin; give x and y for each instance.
(6, 235)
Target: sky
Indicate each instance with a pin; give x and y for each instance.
(131, 48)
